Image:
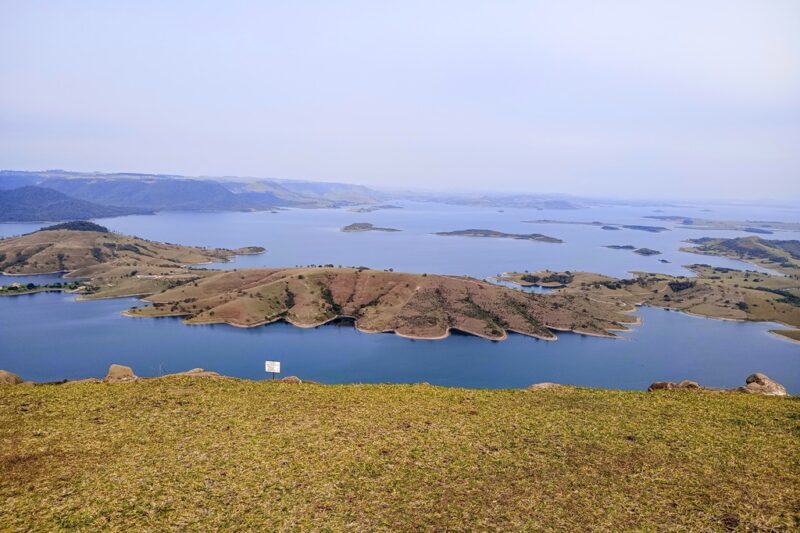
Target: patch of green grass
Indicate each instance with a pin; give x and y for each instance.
(206, 454)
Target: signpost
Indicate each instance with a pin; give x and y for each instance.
(272, 366)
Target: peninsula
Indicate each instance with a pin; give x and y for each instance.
(111, 263)
(780, 255)
(715, 292)
(750, 226)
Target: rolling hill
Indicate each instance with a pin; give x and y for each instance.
(35, 204)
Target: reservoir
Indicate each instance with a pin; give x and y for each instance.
(50, 336)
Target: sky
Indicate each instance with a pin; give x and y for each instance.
(667, 99)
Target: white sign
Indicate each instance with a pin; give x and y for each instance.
(272, 366)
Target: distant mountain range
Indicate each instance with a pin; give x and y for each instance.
(36, 204)
(63, 195)
(93, 194)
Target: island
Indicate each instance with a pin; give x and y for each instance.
(372, 208)
(364, 226)
(634, 249)
(487, 233)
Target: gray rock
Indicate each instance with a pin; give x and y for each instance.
(120, 374)
(87, 380)
(759, 383)
(545, 385)
(9, 378)
(291, 379)
(661, 385)
(687, 384)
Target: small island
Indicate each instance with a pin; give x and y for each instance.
(249, 250)
(364, 226)
(371, 208)
(601, 225)
(634, 249)
(488, 233)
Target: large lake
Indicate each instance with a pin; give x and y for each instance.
(51, 337)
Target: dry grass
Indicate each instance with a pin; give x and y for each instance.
(206, 454)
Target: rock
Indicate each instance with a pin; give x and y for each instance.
(661, 385)
(9, 378)
(120, 374)
(545, 385)
(759, 383)
(87, 380)
(291, 379)
(687, 384)
(197, 373)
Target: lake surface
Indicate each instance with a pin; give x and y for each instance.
(51, 337)
(313, 236)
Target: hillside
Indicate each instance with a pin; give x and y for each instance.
(35, 204)
(157, 194)
(413, 305)
(114, 264)
(185, 454)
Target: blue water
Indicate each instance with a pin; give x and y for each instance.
(49, 336)
(312, 236)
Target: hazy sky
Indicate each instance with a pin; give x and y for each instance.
(641, 98)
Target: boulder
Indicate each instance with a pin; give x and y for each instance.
(8, 378)
(197, 373)
(759, 383)
(545, 385)
(291, 379)
(87, 380)
(687, 384)
(120, 374)
(661, 385)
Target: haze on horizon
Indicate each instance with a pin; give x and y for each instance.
(620, 98)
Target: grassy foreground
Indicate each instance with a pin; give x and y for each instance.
(208, 454)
